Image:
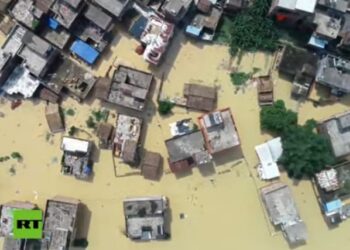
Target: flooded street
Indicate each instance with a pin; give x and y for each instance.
(221, 205)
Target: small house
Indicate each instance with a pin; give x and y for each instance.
(76, 159)
(219, 131)
(282, 210)
(127, 136)
(54, 118)
(60, 222)
(146, 218)
(265, 90)
(152, 165)
(105, 133)
(200, 97)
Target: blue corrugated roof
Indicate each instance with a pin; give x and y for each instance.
(193, 30)
(333, 205)
(52, 23)
(84, 51)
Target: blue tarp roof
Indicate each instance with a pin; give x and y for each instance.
(333, 205)
(193, 30)
(84, 51)
(138, 27)
(52, 23)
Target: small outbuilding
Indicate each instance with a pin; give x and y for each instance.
(105, 133)
(152, 166)
(54, 118)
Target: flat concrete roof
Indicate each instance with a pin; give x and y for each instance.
(115, 7)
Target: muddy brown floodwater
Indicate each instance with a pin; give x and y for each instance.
(221, 206)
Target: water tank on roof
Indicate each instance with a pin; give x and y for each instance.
(213, 119)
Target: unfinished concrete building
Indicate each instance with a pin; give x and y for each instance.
(76, 159)
(127, 136)
(282, 210)
(146, 218)
(66, 12)
(60, 222)
(219, 131)
(130, 88)
(69, 75)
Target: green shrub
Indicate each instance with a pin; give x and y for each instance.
(165, 107)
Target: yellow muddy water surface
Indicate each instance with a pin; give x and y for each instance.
(222, 204)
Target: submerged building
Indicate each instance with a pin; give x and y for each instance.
(146, 218)
(282, 210)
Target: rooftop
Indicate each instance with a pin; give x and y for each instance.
(128, 129)
(130, 88)
(6, 216)
(219, 131)
(200, 97)
(339, 5)
(115, 7)
(58, 37)
(54, 118)
(334, 72)
(176, 8)
(334, 183)
(146, 217)
(98, 17)
(60, 222)
(21, 82)
(327, 26)
(151, 165)
(189, 148)
(25, 12)
(44, 5)
(156, 36)
(307, 6)
(279, 203)
(65, 13)
(293, 60)
(75, 78)
(337, 129)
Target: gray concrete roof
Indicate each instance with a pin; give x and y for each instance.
(334, 72)
(185, 146)
(115, 7)
(337, 130)
(98, 17)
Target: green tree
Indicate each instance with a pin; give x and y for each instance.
(305, 152)
(277, 118)
(252, 30)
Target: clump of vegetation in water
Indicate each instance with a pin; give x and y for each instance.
(4, 158)
(90, 123)
(165, 107)
(70, 112)
(305, 152)
(72, 131)
(101, 115)
(239, 78)
(17, 156)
